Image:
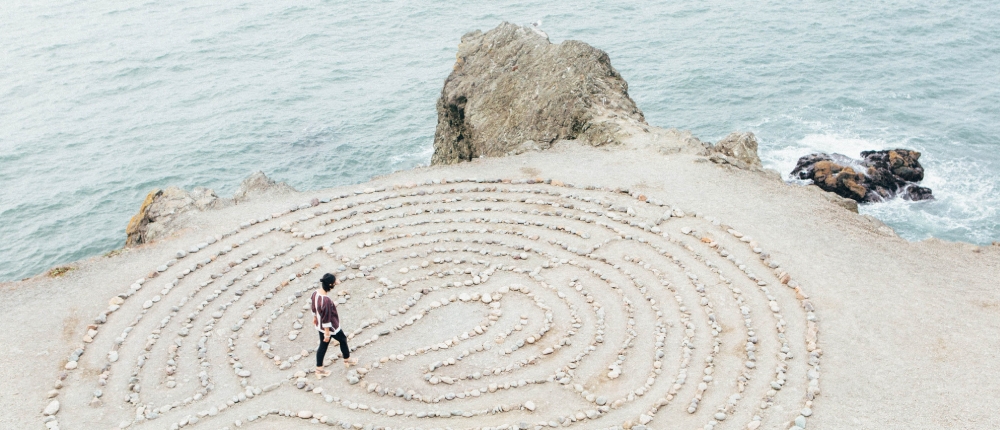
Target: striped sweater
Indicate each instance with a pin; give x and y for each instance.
(325, 312)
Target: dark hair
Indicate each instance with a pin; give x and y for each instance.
(328, 280)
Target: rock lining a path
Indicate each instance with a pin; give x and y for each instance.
(471, 303)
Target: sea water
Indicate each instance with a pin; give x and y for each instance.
(102, 101)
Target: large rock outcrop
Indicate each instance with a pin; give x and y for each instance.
(163, 211)
(512, 90)
(738, 149)
(878, 176)
(258, 184)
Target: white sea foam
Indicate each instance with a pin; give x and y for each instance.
(784, 159)
(966, 193)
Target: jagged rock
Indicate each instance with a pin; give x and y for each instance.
(259, 184)
(163, 212)
(674, 141)
(895, 170)
(840, 179)
(878, 176)
(512, 91)
(136, 229)
(161, 208)
(738, 149)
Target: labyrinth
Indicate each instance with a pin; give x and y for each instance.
(471, 304)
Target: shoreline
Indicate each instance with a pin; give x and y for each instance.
(795, 183)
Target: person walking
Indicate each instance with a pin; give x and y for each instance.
(327, 323)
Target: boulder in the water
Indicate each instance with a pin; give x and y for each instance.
(878, 176)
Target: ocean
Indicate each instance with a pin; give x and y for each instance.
(102, 101)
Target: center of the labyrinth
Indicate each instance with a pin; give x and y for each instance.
(489, 304)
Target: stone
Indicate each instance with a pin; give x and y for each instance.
(165, 211)
(258, 184)
(511, 90)
(878, 176)
(51, 409)
(800, 421)
(161, 209)
(832, 176)
(740, 148)
(455, 264)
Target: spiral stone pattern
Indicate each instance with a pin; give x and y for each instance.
(470, 303)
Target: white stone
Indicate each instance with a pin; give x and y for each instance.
(52, 408)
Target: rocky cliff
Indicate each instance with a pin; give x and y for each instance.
(163, 211)
(512, 90)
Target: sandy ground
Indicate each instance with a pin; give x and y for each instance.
(601, 313)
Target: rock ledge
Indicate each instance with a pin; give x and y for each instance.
(163, 211)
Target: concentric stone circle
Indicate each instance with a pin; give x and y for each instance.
(470, 303)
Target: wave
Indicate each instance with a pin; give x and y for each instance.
(967, 198)
(784, 159)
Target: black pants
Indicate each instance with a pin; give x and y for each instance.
(321, 351)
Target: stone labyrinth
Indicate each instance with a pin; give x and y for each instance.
(472, 304)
